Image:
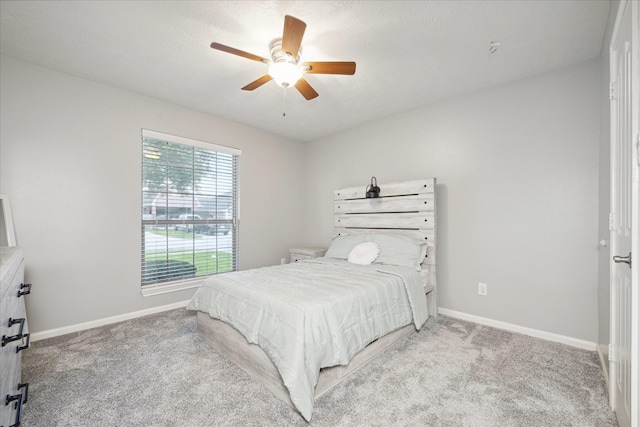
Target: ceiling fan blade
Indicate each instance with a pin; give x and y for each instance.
(305, 89)
(238, 52)
(292, 35)
(257, 83)
(348, 68)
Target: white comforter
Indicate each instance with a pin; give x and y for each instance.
(314, 313)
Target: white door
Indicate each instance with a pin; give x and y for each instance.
(623, 356)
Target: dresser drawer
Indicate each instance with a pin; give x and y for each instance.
(297, 254)
(298, 257)
(12, 307)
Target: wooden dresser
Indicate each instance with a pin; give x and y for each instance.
(15, 336)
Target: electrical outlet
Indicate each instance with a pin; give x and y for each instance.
(482, 289)
(283, 260)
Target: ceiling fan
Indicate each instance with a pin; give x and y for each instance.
(284, 66)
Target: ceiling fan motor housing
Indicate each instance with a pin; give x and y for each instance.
(285, 69)
(277, 55)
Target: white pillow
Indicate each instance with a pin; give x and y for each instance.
(364, 253)
(399, 250)
(341, 246)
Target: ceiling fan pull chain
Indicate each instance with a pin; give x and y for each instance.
(284, 101)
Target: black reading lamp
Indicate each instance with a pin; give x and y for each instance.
(373, 190)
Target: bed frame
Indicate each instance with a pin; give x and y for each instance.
(407, 208)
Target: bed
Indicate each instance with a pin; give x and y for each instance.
(322, 319)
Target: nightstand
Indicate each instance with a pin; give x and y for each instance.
(296, 254)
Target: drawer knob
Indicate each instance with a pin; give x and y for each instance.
(27, 344)
(26, 286)
(7, 339)
(19, 399)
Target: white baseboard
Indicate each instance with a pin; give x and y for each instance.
(574, 342)
(106, 321)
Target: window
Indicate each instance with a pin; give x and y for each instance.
(189, 211)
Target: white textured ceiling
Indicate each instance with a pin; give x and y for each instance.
(408, 53)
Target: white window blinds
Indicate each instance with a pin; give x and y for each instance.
(189, 211)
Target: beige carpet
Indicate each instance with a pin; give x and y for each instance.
(156, 371)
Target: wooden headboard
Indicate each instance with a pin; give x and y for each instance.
(407, 208)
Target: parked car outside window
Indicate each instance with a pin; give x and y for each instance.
(213, 229)
(210, 229)
(189, 227)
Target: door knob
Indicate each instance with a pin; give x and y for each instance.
(625, 259)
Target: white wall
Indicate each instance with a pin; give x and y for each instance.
(517, 169)
(71, 163)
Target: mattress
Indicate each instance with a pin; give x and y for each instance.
(314, 313)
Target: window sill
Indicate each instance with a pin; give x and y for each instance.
(165, 288)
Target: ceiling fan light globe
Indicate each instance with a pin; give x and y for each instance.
(285, 74)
